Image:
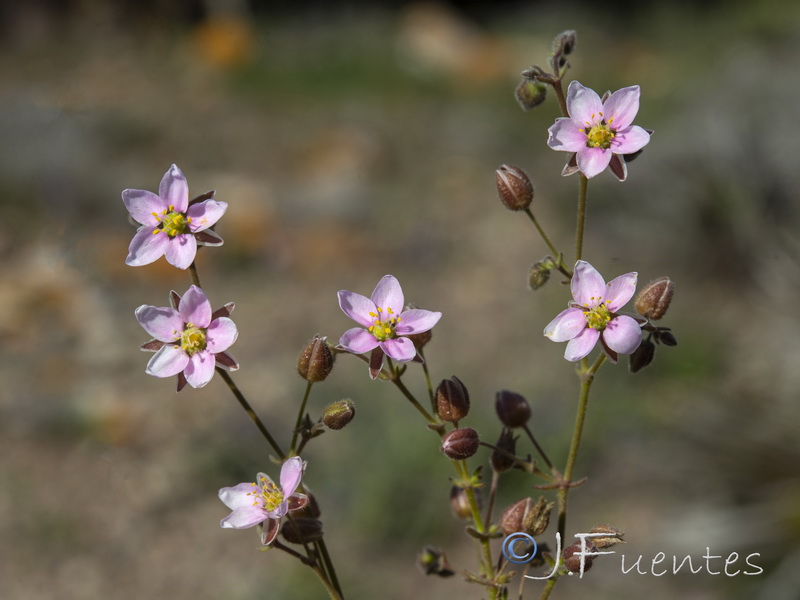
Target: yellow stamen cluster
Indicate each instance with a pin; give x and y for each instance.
(383, 328)
(171, 222)
(270, 493)
(600, 135)
(193, 339)
(597, 317)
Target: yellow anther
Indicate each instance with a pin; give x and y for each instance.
(372, 314)
(188, 219)
(155, 231)
(387, 330)
(380, 309)
(171, 208)
(371, 328)
(391, 312)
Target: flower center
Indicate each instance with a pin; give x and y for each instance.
(271, 494)
(193, 339)
(172, 222)
(599, 135)
(597, 317)
(383, 328)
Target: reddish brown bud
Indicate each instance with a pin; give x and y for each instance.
(514, 187)
(452, 400)
(300, 530)
(573, 562)
(316, 360)
(503, 456)
(460, 443)
(512, 409)
(339, 414)
(654, 299)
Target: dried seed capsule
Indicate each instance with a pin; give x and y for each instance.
(452, 400)
(527, 516)
(514, 187)
(654, 299)
(339, 414)
(316, 360)
(501, 461)
(300, 530)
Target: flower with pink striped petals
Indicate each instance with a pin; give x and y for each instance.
(188, 339)
(384, 324)
(254, 503)
(171, 224)
(593, 315)
(598, 131)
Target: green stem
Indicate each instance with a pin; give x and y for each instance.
(587, 377)
(401, 386)
(428, 382)
(556, 254)
(551, 583)
(562, 101)
(195, 276)
(299, 421)
(584, 185)
(251, 413)
(326, 558)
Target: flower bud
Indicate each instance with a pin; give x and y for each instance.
(512, 409)
(302, 530)
(564, 42)
(530, 93)
(614, 536)
(316, 360)
(527, 517)
(339, 414)
(433, 561)
(460, 443)
(654, 300)
(642, 356)
(501, 461)
(459, 503)
(514, 186)
(539, 274)
(452, 400)
(572, 562)
(311, 509)
(420, 340)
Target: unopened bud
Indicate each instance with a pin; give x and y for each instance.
(572, 562)
(530, 93)
(311, 509)
(613, 538)
(461, 443)
(452, 400)
(514, 186)
(642, 356)
(503, 455)
(316, 360)
(339, 414)
(539, 273)
(512, 409)
(302, 530)
(565, 41)
(654, 300)
(420, 340)
(433, 561)
(526, 516)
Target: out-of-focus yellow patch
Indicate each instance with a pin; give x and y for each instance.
(224, 41)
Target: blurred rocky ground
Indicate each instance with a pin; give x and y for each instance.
(354, 141)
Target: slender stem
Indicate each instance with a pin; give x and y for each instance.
(492, 495)
(428, 382)
(587, 377)
(195, 276)
(251, 413)
(401, 386)
(543, 454)
(556, 254)
(562, 101)
(480, 527)
(300, 414)
(551, 583)
(584, 185)
(326, 559)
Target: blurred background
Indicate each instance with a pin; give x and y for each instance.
(353, 140)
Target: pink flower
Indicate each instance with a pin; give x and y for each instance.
(385, 323)
(188, 339)
(598, 131)
(253, 503)
(171, 224)
(593, 316)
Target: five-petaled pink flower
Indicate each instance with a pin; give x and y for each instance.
(385, 323)
(598, 131)
(171, 224)
(189, 340)
(593, 316)
(254, 503)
